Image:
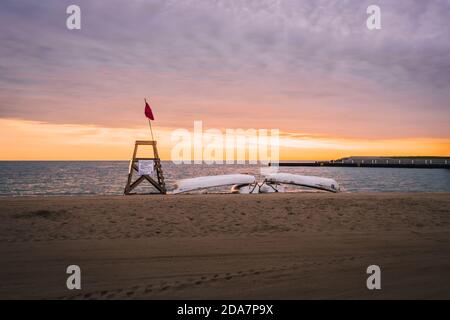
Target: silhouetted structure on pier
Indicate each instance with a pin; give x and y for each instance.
(376, 162)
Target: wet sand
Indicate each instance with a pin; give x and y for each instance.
(277, 246)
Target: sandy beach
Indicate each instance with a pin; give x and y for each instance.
(271, 246)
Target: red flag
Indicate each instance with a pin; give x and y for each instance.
(148, 111)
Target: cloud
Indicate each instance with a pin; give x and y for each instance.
(296, 65)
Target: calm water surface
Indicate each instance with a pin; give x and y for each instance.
(109, 177)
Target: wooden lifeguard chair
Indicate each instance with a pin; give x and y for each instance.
(159, 185)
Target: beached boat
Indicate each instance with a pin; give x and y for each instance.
(326, 184)
(247, 184)
(198, 183)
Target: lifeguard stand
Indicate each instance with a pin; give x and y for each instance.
(134, 167)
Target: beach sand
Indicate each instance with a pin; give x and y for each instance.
(220, 246)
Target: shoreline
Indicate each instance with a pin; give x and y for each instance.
(101, 196)
(222, 246)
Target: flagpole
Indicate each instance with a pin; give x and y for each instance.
(150, 124)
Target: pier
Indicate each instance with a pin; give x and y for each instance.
(376, 162)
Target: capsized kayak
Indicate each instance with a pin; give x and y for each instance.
(326, 184)
(198, 183)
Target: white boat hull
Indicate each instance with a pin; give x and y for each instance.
(326, 184)
(198, 183)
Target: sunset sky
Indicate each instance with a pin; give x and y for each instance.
(308, 68)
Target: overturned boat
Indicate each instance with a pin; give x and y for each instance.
(199, 183)
(275, 183)
(247, 184)
(314, 182)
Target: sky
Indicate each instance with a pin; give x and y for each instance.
(309, 68)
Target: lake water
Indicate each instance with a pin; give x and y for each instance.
(109, 177)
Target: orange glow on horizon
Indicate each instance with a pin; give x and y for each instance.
(29, 140)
